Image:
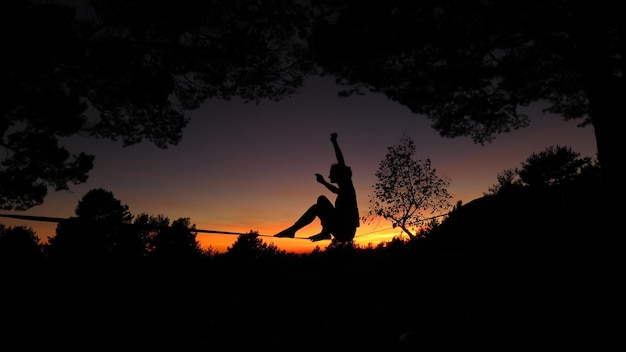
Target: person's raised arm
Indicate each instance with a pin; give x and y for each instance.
(333, 138)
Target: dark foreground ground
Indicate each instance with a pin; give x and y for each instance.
(425, 302)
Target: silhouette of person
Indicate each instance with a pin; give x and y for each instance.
(340, 220)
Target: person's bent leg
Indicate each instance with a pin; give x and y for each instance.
(304, 220)
(326, 213)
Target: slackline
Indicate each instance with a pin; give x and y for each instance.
(53, 219)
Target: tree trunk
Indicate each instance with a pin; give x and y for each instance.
(408, 232)
(606, 93)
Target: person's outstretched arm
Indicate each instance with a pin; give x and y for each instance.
(330, 186)
(333, 138)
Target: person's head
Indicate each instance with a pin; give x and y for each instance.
(339, 173)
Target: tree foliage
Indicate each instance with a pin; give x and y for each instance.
(104, 230)
(249, 246)
(555, 166)
(131, 69)
(100, 231)
(128, 70)
(507, 180)
(19, 245)
(470, 65)
(175, 243)
(148, 228)
(101, 206)
(406, 188)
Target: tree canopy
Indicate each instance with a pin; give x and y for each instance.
(130, 70)
(470, 65)
(553, 167)
(103, 229)
(407, 187)
(100, 205)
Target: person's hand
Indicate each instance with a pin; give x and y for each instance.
(333, 137)
(319, 178)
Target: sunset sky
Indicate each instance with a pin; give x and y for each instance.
(243, 167)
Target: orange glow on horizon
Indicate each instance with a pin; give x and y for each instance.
(366, 235)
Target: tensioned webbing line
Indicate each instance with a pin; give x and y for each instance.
(53, 219)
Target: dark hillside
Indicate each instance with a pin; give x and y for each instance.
(525, 220)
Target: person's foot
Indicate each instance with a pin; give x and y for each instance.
(320, 237)
(286, 233)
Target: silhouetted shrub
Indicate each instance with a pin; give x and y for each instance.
(19, 246)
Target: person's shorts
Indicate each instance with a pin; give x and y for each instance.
(344, 233)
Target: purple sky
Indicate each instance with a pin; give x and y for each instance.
(243, 167)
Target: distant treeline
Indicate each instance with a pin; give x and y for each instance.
(544, 204)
